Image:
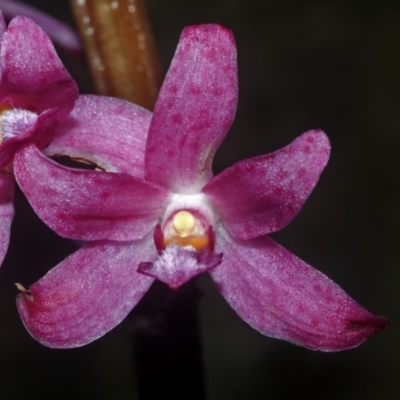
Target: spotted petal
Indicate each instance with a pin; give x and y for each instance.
(263, 194)
(194, 110)
(281, 296)
(6, 211)
(87, 294)
(109, 132)
(88, 205)
(32, 75)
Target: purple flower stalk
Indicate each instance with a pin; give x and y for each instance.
(162, 215)
(36, 93)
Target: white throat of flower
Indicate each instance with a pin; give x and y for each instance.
(14, 122)
(188, 221)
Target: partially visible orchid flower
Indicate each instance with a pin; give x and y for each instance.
(62, 34)
(163, 215)
(36, 93)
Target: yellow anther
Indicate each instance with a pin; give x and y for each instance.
(184, 223)
(197, 242)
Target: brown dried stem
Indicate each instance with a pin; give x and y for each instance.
(120, 49)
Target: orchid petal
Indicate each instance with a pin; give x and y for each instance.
(194, 110)
(6, 211)
(87, 294)
(32, 75)
(109, 132)
(61, 33)
(263, 194)
(44, 129)
(281, 296)
(88, 205)
(176, 265)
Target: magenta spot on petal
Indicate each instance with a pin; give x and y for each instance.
(212, 55)
(307, 149)
(173, 89)
(329, 300)
(119, 109)
(277, 191)
(62, 217)
(310, 139)
(301, 309)
(317, 288)
(291, 208)
(301, 172)
(195, 90)
(314, 322)
(49, 192)
(97, 180)
(105, 195)
(54, 174)
(177, 118)
(250, 168)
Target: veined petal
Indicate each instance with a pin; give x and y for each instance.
(88, 205)
(32, 75)
(87, 294)
(109, 132)
(281, 296)
(263, 194)
(6, 210)
(194, 110)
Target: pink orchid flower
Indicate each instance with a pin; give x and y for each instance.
(162, 215)
(36, 93)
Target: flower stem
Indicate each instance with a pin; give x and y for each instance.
(167, 344)
(120, 49)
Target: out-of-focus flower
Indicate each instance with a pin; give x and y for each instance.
(163, 215)
(60, 33)
(36, 93)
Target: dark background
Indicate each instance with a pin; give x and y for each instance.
(330, 64)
